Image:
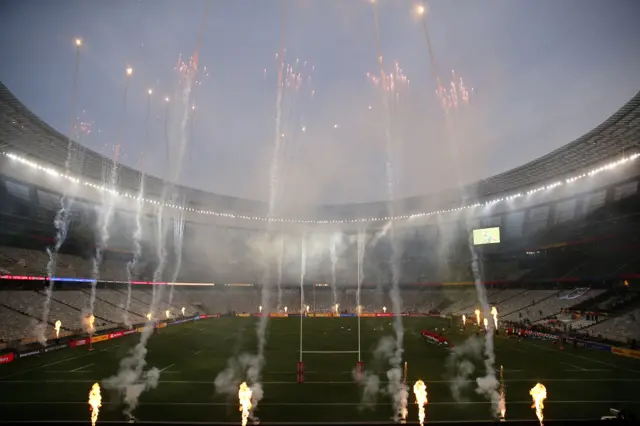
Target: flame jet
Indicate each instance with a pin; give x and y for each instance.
(95, 402)
(539, 394)
(244, 396)
(420, 391)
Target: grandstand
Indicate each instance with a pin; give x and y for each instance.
(566, 262)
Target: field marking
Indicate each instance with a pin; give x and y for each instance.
(167, 367)
(44, 365)
(196, 353)
(80, 368)
(210, 382)
(315, 404)
(585, 358)
(590, 370)
(575, 367)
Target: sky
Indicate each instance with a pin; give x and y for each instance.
(538, 74)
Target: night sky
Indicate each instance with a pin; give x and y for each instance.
(538, 73)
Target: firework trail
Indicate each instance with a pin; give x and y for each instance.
(395, 386)
(280, 260)
(63, 216)
(137, 235)
(109, 196)
(255, 363)
(178, 239)
(334, 262)
(487, 385)
(278, 132)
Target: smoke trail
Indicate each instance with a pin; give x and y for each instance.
(460, 368)
(280, 260)
(487, 385)
(132, 380)
(255, 363)
(334, 261)
(63, 215)
(137, 249)
(178, 240)
(273, 174)
(395, 387)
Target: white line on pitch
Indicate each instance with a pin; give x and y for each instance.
(208, 382)
(45, 365)
(311, 404)
(81, 368)
(196, 353)
(576, 367)
(167, 367)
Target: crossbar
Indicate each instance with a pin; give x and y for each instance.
(330, 352)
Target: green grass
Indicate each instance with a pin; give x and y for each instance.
(581, 384)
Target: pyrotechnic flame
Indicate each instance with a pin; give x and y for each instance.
(244, 395)
(420, 390)
(503, 396)
(477, 312)
(464, 320)
(384, 309)
(149, 316)
(260, 308)
(486, 323)
(89, 321)
(95, 402)
(539, 394)
(494, 313)
(57, 327)
(183, 311)
(285, 309)
(167, 313)
(336, 307)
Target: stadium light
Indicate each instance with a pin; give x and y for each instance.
(550, 186)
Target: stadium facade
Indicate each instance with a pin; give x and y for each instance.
(596, 172)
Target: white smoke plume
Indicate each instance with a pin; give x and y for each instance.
(137, 249)
(245, 368)
(460, 366)
(489, 384)
(131, 380)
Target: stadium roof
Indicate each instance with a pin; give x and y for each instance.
(23, 133)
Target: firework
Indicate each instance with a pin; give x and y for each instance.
(464, 320)
(503, 396)
(485, 322)
(477, 312)
(167, 313)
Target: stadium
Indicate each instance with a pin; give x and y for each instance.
(133, 297)
(561, 269)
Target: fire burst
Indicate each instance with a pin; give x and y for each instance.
(149, 316)
(503, 396)
(451, 97)
(494, 314)
(167, 313)
(95, 402)
(57, 328)
(89, 321)
(539, 394)
(464, 320)
(420, 390)
(477, 312)
(244, 395)
(486, 323)
(393, 82)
